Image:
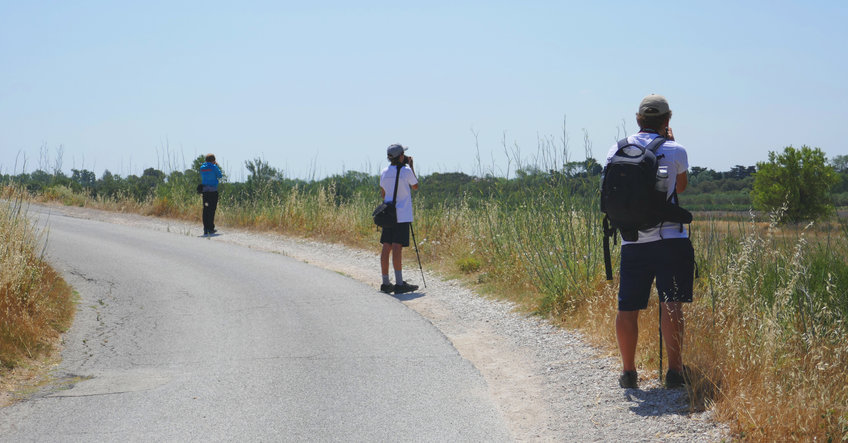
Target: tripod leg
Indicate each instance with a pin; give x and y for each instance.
(660, 328)
(415, 242)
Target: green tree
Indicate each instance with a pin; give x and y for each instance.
(801, 179)
(84, 177)
(840, 163)
(261, 171)
(109, 185)
(195, 165)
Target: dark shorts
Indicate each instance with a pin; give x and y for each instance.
(671, 261)
(399, 233)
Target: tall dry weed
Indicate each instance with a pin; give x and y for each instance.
(35, 303)
(769, 337)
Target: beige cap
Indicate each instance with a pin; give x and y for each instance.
(654, 105)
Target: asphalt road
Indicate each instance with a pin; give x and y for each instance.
(181, 338)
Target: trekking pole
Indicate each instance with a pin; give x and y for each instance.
(415, 242)
(660, 328)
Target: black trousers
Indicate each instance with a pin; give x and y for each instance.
(210, 204)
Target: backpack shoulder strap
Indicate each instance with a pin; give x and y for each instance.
(397, 179)
(652, 146)
(655, 144)
(609, 231)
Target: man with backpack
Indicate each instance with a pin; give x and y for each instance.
(396, 184)
(643, 176)
(209, 175)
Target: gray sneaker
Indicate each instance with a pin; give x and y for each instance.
(405, 287)
(675, 379)
(628, 380)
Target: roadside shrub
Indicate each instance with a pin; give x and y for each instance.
(65, 195)
(468, 264)
(35, 303)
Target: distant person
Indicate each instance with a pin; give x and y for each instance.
(663, 252)
(209, 175)
(394, 239)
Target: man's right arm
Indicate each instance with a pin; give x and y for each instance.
(682, 182)
(414, 186)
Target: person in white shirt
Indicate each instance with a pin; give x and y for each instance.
(663, 252)
(394, 239)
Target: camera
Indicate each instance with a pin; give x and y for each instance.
(405, 161)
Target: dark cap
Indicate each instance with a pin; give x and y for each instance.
(653, 105)
(395, 150)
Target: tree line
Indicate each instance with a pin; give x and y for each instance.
(802, 179)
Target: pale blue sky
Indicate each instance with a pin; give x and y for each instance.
(325, 86)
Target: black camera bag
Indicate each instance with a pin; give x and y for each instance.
(385, 215)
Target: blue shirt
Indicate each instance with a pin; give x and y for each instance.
(209, 175)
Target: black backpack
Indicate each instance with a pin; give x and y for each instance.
(633, 194)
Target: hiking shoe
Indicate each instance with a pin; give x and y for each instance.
(675, 379)
(405, 287)
(628, 380)
(387, 288)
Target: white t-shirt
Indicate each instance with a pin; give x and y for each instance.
(404, 194)
(673, 156)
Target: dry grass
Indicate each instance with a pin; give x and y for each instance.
(769, 336)
(35, 303)
(28, 376)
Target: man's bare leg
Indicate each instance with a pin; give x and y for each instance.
(672, 332)
(627, 333)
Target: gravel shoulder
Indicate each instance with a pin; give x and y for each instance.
(548, 383)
